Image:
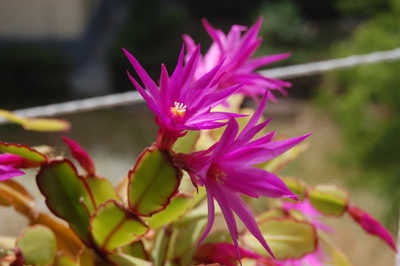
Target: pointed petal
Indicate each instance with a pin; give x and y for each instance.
(228, 137)
(7, 172)
(211, 213)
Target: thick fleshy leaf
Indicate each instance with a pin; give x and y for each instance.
(152, 182)
(184, 241)
(102, 189)
(339, 259)
(287, 238)
(177, 208)
(88, 257)
(64, 258)
(36, 124)
(297, 186)
(112, 226)
(329, 199)
(23, 151)
(80, 155)
(38, 245)
(137, 250)
(126, 260)
(67, 195)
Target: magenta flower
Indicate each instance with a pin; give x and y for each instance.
(312, 259)
(222, 253)
(226, 171)
(10, 163)
(371, 225)
(181, 103)
(238, 66)
(7, 172)
(81, 156)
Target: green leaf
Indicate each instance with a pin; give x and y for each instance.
(287, 238)
(126, 260)
(67, 195)
(152, 182)
(102, 189)
(64, 258)
(186, 144)
(38, 245)
(329, 199)
(137, 250)
(37, 124)
(297, 186)
(112, 226)
(23, 151)
(178, 207)
(161, 245)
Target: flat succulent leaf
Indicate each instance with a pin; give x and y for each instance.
(137, 250)
(287, 238)
(88, 257)
(186, 143)
(66, 238)
(184, 241)
(102, 189)
(23, 151)
(339, 259)
(64, 258)
(38, 245)
(329, 199)
(36, 124)
(177, 208)
(112, 226)
(67, 195)
(297, 186)
(126, 260)
(152, 183)
(278, 163)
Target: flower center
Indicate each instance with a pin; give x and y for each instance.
(216, 174)
(179, 110)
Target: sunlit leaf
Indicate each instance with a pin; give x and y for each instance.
(64, 258)
(178, 206)
(37, 124)
(38, 245)
(126, 260)
(329, 199)
(153, 182)
(287, 238)
(112, 226)
(67, 195)
(23, 151)
(7, 242)
(102, 189)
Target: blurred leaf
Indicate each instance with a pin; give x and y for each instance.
(184, 241)
(126, 260)
(277, 164)
(66, 238)
(23, 151)
(67, 195)
(153, 182)
(297, 186)
(186, 144)
(177, 208)
(7, 242)
(161, 245)
(287, 238)
(102, 189)
(88, 257)
(137, 250)
(38, 245)
(64, 258)
(273, 213)
(36, 124)
(339, 259)
(329, 199)
(112, 226)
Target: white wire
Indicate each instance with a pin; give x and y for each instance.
(126, 98)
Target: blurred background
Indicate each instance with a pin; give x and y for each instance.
(56, 50)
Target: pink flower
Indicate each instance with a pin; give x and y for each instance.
(81, 156)
(181, 103)
(238, 66)
(10, 163)
(7, 172)
(371, 225)
(222, 253)
(226, 171)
